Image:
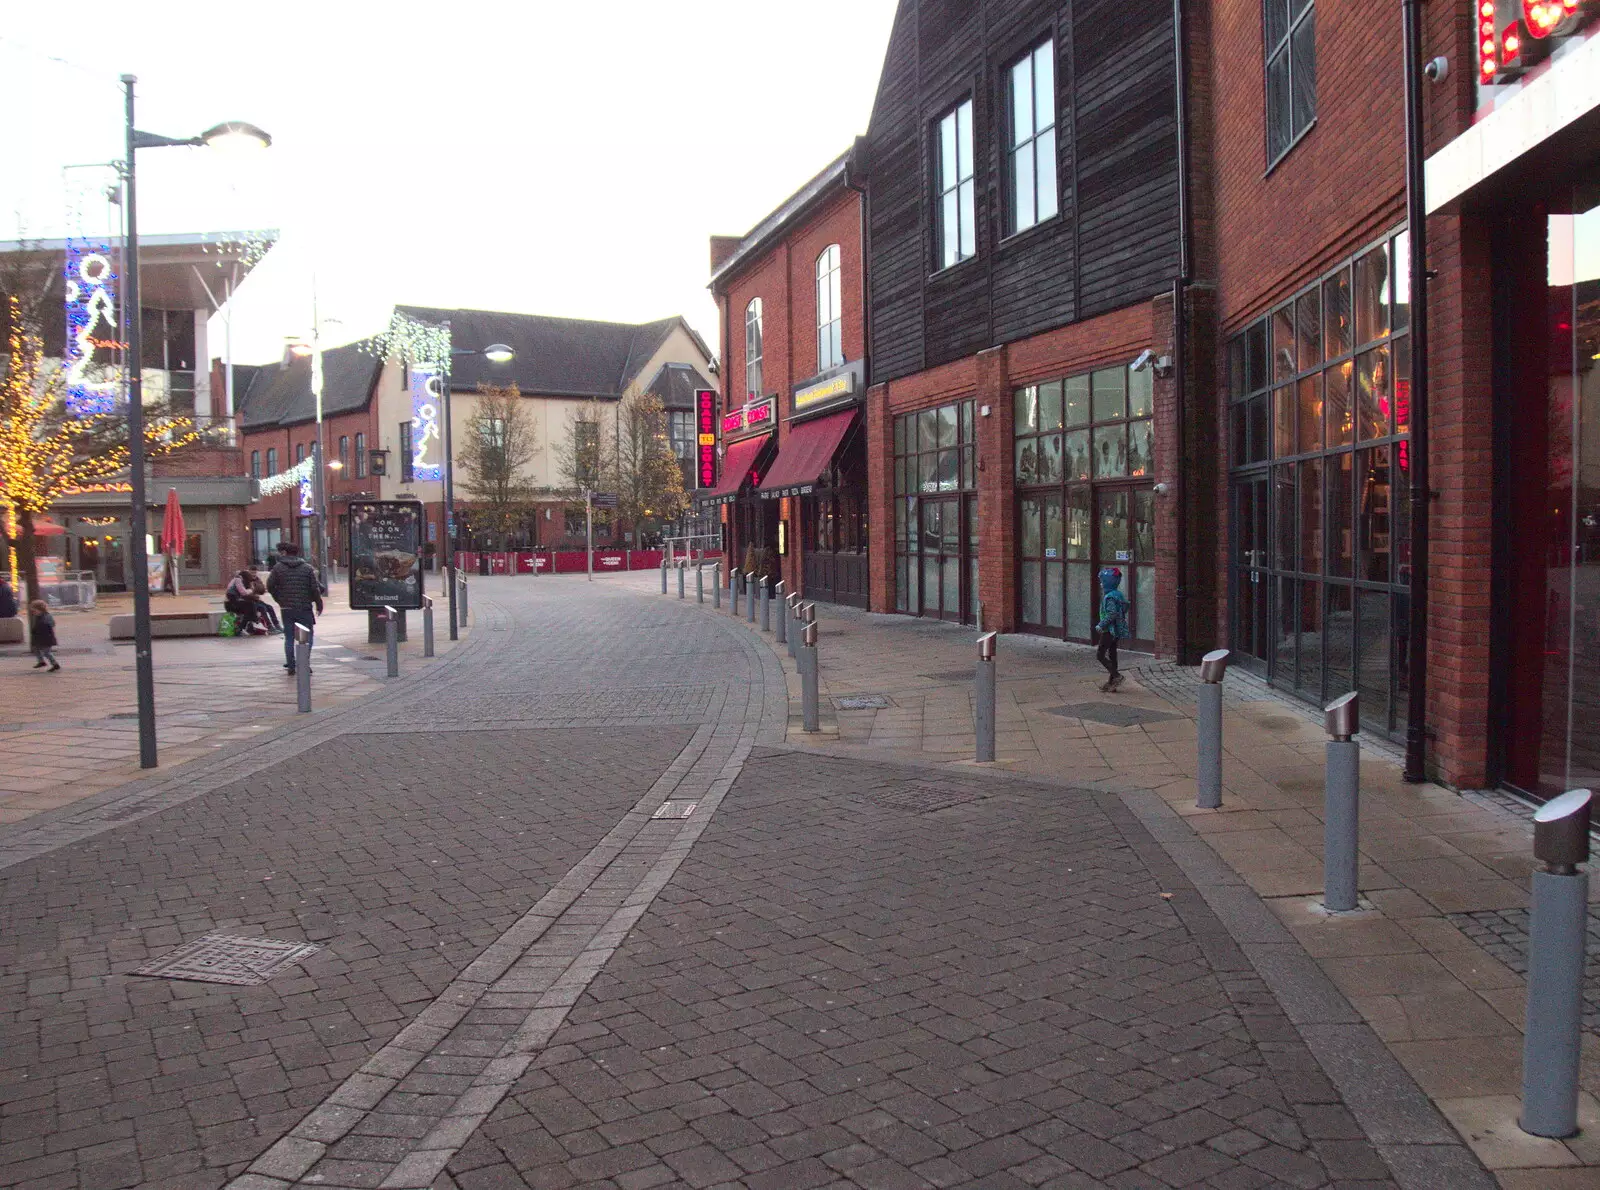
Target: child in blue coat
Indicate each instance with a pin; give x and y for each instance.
(1113, 624)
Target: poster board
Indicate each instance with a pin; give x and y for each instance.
(386, 554)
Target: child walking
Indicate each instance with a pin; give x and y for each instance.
(1113, 625)
(42, 635)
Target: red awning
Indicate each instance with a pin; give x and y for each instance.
(736, 463)
(807, 454)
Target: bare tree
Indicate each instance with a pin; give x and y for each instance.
(649, 479)
(501, 442)
(585, 459)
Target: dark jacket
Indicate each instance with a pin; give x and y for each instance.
(8, 601)
(42, 631)
(293, 583)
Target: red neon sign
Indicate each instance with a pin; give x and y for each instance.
(705, 401)
(760, 415)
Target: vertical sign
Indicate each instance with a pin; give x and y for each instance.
(94, 338)
(427, 388)
(308, 496)
(705, 404)
(386, 554)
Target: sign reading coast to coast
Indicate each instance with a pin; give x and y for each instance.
(753, 416)
(705, 407)
(386, 554)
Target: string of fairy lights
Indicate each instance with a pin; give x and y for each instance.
(300, 473)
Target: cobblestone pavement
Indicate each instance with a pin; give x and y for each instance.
(829, 971)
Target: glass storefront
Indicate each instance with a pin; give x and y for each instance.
(1320, 563)
(1084, 463)
(936, 513)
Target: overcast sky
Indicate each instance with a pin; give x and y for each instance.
(555, 158)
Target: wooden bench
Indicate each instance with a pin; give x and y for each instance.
(169, 624)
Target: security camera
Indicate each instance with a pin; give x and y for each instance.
(1143, 360)
(1437, 69)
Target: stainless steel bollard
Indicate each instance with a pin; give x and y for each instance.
(1341, 820)
(810, 713)
(983, 697)
(766, 607)
(302, 667)
(734, 579)
(699, 584)
(427, 626)
(683, 574)
(1208, 730)
(463, 601)
(750, 581)
(391, 640)
(663, 576)
(1557, 929)
(783, 613)
(793, 601)
(716, 586)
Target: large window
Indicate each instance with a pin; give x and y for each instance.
(1319, 509)
(830, 318)
(272, 460)
(680, 433)
(936, 513)
(752, 348)
(957, 214)
(1033, 139)
(299, 453)
(361, 456)
(1290, 28)
(255, 464)
(1084, 466)
(344, 451)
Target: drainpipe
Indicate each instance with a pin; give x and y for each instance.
(851, 182)
(1180, 345)
(1417, 223)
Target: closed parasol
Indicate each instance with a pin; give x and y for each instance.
(172, 536)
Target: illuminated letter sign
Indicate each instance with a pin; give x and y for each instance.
(733, 422)
(93, 333)
(308, 497)
(761, 413)
(705, 401)
(426, 399)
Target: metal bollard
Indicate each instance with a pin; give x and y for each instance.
(734, 579)
(716, 586)
(663, 576)
(427, 626)
(391, 640)
(983, 700)
(794, 624)
(463, 601)
(750, 581)
(1558, 922)
(1341, 820)
(809, 712)
(1208, 727)
(302, 667)
(683, 574)
(766, 608)
(699, 584)
(783, 613)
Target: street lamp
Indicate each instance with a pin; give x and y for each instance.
(233, 133)
(319, 482)
(495, 353)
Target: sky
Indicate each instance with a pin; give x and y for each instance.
(564, 158)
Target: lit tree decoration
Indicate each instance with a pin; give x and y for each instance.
(412, 341)
(47, 452)
(248, 248)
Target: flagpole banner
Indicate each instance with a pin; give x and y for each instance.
(427, 443)
(92, 356)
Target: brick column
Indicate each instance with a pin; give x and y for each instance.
(997, 554)
(879, 429)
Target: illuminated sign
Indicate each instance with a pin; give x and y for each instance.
(754, 415)
(94, 381)
(1514, 35)
(308, 497)
(426, 448)
(826, 390)
(705, 404)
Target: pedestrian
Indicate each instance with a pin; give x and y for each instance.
(1113, 625)
(8, 600)
(294, 584)
(42, 635)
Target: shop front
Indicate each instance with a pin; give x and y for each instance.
(749, 523)
(96, 524)
(936, 512)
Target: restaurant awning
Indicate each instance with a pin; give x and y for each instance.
(807, 454)
(737, 460)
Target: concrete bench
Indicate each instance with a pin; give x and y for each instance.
(12, 631)
(169, 624)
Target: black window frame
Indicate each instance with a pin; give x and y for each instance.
(1012, 150)
(361, 455)
(272, 460)
(1283, 48)
(965, 186)
(755, 307)
(255, 464)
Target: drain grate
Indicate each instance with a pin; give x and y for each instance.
(921, 799)
(218, 958)
(1112, 714)
(863, 702)
(674, 809)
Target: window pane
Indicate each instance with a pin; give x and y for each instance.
(1030, 541)
(1283, 408)
(1303, 53)
(1026, 401)
(1077, 526)
(1259, 442)
(1022, 194)
(900, 525)
(1309, 433)
(899, 435)
(1051, 514)
(1114, 544)
(1308, 327)
(1050, 405)
(1255, 344)
(1050, 459)
(1027, 460)
(949, 230)
(1370, 294)
(1032, 612)
(1141, 393)
(1075, 463)
(928, 423)
(1044, 84)
(1339, 415)
(1400, 281)
(1141, 447)
(1241, 434)
(1372, 657)
(1052, 594)
(1283, 344)
(1340, 640)
(1402, 384)
(947, 425)
(1310, 638)
(1336, 315)
(1283, 512)
(1144, 602)
(928, 472)
(947, 152)
(1081, 607)
(969, 479)
(1110, 393)
(1373, 508)
(930, 583)
(1341, 519)
(1110, 452)
(1275, 19)
(966, 422)
(949, 470)
(1311, 516)
(1022, 101)
(969, 223)
(1372, 393)
(1077, 399)
(1278, 105)
(1237, 385)
(1144, 525)
(964, 139)
(1045, 163)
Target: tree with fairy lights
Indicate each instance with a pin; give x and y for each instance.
(48, 451)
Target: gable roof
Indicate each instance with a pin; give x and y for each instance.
(836, 174)
(675, 385)
(280, 394)
(557, 357)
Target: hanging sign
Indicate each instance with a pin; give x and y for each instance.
(308, 497)
(427, 401)
(705, 406)
(386, 554)
(93, 344)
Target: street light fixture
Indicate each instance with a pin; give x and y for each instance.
(230, 134)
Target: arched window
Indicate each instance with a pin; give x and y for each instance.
(830, 319)
(752, 348)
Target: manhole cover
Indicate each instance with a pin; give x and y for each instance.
(1112, 714)
(218, 958)
(862, 702)
(921, 799)
(674, 809)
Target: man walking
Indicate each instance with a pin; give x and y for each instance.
(294, 584)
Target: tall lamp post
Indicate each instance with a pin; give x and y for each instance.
(231, 133)
(319, 485)
(495, 353)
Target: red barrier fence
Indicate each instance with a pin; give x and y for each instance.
(558, 561)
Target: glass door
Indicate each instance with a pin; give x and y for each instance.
(941, 539)
(1251, 580)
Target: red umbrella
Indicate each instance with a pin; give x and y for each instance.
(172, 535)
(43, 526)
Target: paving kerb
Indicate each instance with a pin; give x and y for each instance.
(1328, 985)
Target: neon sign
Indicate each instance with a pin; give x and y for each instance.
(754, 415)
(1514, 35)
(705, 402)
(427, 391)
(93, 383)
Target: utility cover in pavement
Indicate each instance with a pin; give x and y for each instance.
(674, 809)
(218, 958)
(862, 702)
(921, 799)
(1112, 714)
